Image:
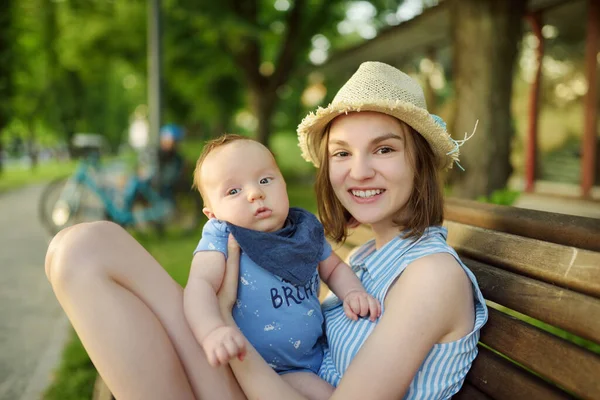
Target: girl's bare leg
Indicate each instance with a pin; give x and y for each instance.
(128, 313)
(309, 385)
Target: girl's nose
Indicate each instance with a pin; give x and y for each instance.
(361, 168)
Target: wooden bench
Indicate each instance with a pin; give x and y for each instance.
(531, 266)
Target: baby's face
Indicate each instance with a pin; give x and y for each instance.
(243, 186)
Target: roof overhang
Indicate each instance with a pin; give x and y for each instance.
(431, 29)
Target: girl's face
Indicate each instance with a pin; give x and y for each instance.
(369, 169)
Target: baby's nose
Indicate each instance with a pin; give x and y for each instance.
(255, 194)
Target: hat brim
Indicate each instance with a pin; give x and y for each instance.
(311, 129)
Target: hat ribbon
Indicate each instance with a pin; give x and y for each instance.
(460, 142)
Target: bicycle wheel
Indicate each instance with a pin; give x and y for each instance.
(64, 203)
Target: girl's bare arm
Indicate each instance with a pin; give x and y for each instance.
(428, 304)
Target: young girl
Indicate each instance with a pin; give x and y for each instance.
(379, 153)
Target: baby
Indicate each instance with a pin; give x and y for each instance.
(284, 252)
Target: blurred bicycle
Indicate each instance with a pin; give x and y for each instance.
(108, 191)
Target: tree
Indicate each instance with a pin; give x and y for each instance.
(6, 66)
(485, 37)
(267, 45)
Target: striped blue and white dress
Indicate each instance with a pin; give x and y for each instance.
(444, 369)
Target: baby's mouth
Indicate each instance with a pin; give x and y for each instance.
(263, 212)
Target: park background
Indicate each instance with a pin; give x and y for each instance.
(526, 70)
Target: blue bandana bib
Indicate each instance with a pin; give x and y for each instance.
(292, 252)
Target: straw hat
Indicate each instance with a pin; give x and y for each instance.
(380, 87)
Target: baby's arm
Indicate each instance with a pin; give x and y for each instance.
(342, 281)
(220, 342)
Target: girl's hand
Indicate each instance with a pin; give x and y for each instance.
(360, 303)
(227, 293)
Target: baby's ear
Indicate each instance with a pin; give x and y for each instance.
(208, 213)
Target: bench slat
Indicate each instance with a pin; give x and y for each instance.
(568, 230)
(562, 362)
(501, 379)
(563, 308)
(568, 267)
(470, 392)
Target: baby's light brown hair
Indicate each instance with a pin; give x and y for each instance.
(209, 146)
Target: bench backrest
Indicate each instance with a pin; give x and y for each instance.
(540, 273)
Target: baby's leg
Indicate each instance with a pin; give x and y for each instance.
(309, 385)
(129, 315)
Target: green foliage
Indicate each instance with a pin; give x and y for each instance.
(504, 197)
(284, 146)
(80, 66)
(71, 61)
(6, 58)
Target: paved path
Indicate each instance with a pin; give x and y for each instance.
(33, 328)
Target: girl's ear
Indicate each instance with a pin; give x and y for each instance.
(206, 211)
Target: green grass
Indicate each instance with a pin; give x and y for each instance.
(15, 178)
(503, 197)
(74, 377)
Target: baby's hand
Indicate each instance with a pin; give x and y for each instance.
(360, 303)
(224, 344)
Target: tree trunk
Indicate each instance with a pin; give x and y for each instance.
(485, 37)
(263, 105)
(31, 147)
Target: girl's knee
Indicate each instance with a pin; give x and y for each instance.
(73, 247)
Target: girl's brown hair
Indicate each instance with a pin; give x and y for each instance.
(424, 208)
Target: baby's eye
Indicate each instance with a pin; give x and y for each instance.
(233, 191)
(265, 181)
(384, 150)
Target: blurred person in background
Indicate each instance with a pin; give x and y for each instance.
(170, 164)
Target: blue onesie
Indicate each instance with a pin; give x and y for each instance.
(282, 320)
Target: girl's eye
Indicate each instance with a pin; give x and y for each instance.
(340, 154)
(384, 150)
(265, 181)
(233, 191)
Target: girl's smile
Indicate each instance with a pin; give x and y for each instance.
(366, 196)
